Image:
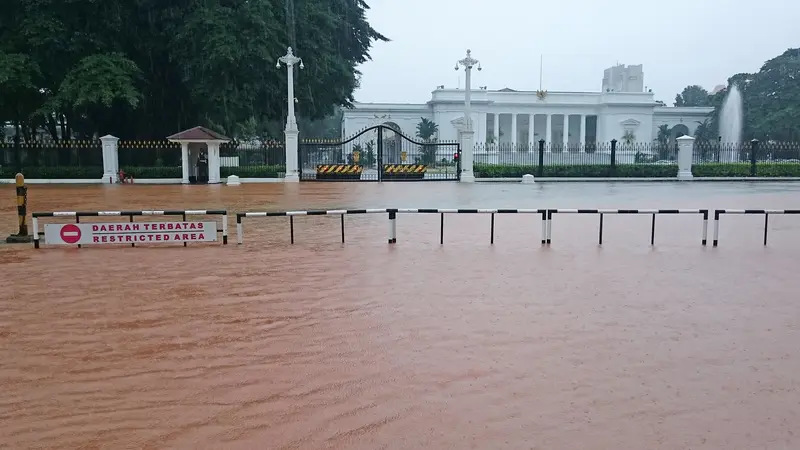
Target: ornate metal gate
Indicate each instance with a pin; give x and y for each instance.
(379, 153)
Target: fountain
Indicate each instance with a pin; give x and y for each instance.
(730, 124)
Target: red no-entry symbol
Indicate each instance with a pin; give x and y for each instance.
(70, 233)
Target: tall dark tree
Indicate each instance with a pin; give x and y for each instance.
(147, 68)
(693, 95)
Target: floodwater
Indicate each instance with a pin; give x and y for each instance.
(363, 345)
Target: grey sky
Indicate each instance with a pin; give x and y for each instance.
(680, 42)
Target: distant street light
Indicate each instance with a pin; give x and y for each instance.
(469, 62)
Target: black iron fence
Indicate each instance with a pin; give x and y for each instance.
(747, 159)
(150, 159)
(618, 159)
(594, 160)
(254, 159)
(77, 159)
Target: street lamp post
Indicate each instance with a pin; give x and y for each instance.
(468, 133)
(292, 169)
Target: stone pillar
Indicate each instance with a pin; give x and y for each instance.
(685, 151)
(110, 158)
(467, 146)
(292, 170)
(213, 163)
(582, 134)
(548, 137)
(184, 162)
(565, 133)
(531, 138)
(496, 131)
(514, 136)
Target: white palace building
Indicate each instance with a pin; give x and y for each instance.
(507, 116)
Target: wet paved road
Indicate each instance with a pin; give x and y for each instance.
(367, 346)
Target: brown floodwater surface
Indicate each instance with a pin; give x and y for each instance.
(363, 345)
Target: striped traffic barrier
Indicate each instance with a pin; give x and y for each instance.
(602, 212)
(404, 171)
(131, 232)
(765, 212)
(339, 171)
(392, 213)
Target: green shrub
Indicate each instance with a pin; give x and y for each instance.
(577, 171)
(264, 171)
(776, 170)
(56, 172)
(153, 172)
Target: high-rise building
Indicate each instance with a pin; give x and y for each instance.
(622, 78)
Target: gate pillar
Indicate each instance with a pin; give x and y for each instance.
(467, 148)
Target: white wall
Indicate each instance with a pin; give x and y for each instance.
(671, 116)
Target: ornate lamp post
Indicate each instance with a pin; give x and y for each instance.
(468, 133)
(290, 60)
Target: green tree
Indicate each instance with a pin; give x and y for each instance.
(159, 67)
(663, 134)
(693, 95)
(704, 132)
(426, 130)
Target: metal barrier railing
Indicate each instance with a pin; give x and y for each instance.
(652, 212)
(765, 212)
(546, 217)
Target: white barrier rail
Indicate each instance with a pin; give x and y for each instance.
(652, 212)
(131, 214)
(546, 216)
(765, 212)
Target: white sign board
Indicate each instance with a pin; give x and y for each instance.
(129, 233)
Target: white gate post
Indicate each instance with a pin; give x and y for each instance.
(110, 158)
(685, 152)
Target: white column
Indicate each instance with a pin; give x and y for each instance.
(565, 137)
(548, 137)
(496, 132)
(531, 139)
(110, 158)
(685, 149)
(582, 133)
(213, 163)
(185, 162)
(514, 137)
(481, 136)
(467, 146)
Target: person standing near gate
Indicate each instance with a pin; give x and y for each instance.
(202, 168)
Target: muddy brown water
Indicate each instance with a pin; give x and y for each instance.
(416, 345)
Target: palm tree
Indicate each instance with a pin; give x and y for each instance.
(663, 134)
(704, 132)
(426, 130)
(628, 138)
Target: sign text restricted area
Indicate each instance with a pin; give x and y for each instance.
(129, 233)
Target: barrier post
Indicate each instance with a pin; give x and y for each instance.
(544, 227)
(705, 227)
(716, 228)
(22, 235)
(393, 227)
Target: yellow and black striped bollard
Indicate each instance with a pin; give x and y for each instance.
(22, 235)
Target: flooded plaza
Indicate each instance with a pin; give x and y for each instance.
(364, 345)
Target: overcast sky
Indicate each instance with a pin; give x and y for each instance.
(679, 42)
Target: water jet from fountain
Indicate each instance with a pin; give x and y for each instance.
(730, 125)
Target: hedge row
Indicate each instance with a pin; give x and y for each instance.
(776, 170)
(58, 172)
